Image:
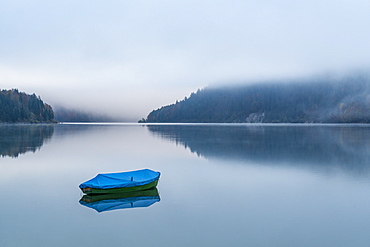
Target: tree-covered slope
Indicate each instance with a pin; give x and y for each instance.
(321, 101)
(19, 107)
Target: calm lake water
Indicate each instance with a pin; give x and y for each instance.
(220, 185)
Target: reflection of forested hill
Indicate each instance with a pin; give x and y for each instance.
(19, 139)
(68, 129)
(317, 146)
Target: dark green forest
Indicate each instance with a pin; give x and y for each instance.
(345, 100)
(19, 107)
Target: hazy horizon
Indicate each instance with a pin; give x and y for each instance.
(126, 58)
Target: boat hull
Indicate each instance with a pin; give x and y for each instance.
(120, 190)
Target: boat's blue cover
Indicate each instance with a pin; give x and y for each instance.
(121, 203)
(121, 179)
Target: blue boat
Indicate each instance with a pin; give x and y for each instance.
(121, 182)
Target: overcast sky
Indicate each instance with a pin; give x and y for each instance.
(127, 58)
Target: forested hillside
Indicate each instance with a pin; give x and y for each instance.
(19, 107)
(308, 101)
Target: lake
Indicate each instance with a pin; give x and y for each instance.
(220, 185)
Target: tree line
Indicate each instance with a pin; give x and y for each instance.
(19, 107)
(321, 100)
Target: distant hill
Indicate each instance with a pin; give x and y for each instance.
(19, 107)
(63, 114)
(323, 100)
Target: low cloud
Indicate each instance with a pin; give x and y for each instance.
(128, 57)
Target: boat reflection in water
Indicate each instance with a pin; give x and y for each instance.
(108, 202)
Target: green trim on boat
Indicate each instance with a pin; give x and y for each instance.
(120, 190)
(98, 197)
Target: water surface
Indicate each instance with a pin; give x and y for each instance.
(221, 185)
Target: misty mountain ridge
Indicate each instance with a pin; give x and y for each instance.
(20, 107)
(318, 100)
(63, 114)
